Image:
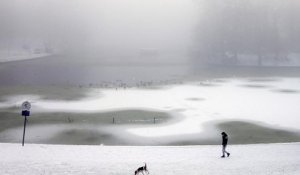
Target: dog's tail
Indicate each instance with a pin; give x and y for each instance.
(146, 169)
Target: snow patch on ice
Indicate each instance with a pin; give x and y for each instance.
(229, 100)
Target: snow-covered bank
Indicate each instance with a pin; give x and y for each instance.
(22, 57)
(261, 159)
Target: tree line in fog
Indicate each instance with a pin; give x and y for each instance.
(233, 31)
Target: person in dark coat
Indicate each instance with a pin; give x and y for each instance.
(224, 144)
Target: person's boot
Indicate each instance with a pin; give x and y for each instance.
(228, 154)
(223, 156)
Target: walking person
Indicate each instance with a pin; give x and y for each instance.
(224, 144)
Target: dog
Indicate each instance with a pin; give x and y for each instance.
(142, 170)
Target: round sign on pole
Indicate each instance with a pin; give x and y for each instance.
(26, 106)
(25, 112)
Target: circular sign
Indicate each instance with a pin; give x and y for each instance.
(26, 106)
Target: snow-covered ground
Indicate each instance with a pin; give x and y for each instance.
(260, 159)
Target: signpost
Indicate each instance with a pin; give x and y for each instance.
(25, 112)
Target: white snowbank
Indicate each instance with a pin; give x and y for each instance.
(261, 159)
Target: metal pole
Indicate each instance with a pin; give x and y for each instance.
(25, 121)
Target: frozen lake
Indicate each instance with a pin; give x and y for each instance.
(251, 110)
(77, 102)
(67, 71)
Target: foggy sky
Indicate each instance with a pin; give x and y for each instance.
(100, 28)
(121, 29)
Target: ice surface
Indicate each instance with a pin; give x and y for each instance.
(272, 102)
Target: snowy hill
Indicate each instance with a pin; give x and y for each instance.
(188, 160)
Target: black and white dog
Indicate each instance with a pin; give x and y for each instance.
(142, 170)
